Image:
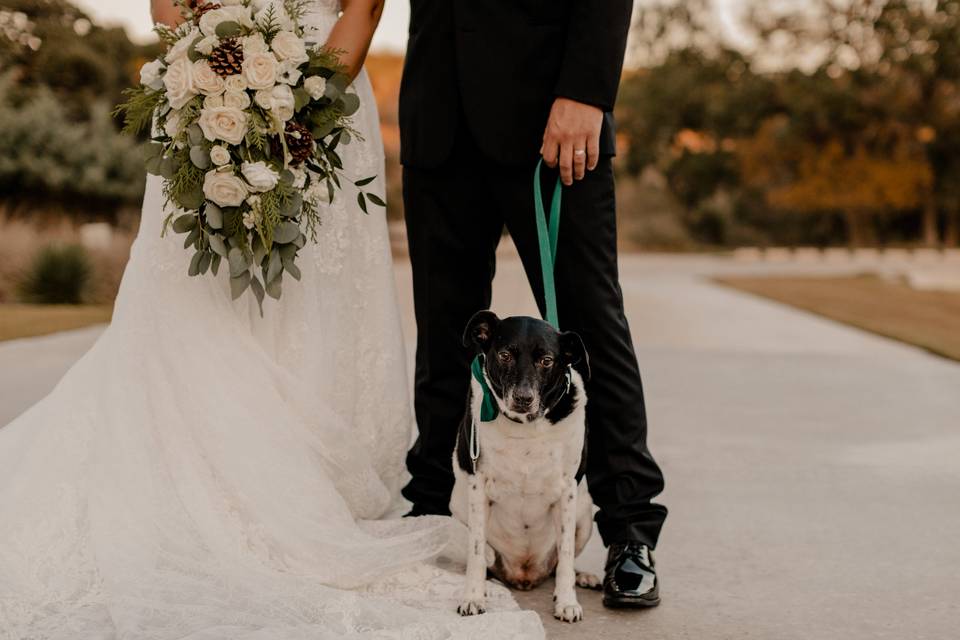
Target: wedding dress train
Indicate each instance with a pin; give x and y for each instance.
(201, 472)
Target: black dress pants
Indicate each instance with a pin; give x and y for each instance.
(455, 215)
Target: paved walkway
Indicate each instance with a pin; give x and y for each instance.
(813, 470)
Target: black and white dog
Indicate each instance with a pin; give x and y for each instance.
(519, 479)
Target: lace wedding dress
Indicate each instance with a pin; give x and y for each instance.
(201, 472)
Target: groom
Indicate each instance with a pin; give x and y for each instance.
(489, 86)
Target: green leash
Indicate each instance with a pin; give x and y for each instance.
(548, 233)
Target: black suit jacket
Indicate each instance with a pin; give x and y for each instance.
(499, 64)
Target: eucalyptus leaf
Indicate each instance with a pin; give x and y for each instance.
(257, 289)
(239, 284)
(275, 267)
(275, 287)
(215, 264)
(152, 150)
(205, 261)
(375, 199)
(365, 181)
(200, 157)
(191, 199)
(259, 251)
(192, 237)
(291, 207)
(301, 241)
(228, 29)
(195, 264)
(214, 216)
(286, 232)
(238, 263)
(288, 252)
(292, 269)
(195, 135)
(168, 167)
(362, 202)
(185, 223)
(301, 98)
(287, 178)
(351, 103)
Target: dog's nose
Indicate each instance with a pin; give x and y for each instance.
(523, 400)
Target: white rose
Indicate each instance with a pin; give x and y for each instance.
(151, 75)
(219, 155)
(179, 83)
(316, 86)
(254, 44)
(182, 46)
(207, 45)
(236, 99)
(289, 46)
(173, 127)
(224, 189)
(279, 100)
(259, 176)
(206, 80)
(223, 123)
(236, 13)
(235, 82)
(260, 70)
(212, 102)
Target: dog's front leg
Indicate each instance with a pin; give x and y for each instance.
(566, 607)
(474, 592)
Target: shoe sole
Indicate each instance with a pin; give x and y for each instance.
(629, 603)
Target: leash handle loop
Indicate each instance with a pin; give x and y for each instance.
(548, 235)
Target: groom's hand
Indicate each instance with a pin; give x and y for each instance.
(572, 138)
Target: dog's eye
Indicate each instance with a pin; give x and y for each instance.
(505, 357)
(546, 362)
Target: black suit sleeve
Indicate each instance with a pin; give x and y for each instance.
(593, 57)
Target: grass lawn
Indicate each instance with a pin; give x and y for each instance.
(26, 320)
(927, 319)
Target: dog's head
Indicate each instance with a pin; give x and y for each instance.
(526, 361)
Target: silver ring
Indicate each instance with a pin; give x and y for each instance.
(579, 152)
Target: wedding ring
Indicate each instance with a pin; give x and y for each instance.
(579, 152)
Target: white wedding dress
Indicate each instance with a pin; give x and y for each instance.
(201, 472)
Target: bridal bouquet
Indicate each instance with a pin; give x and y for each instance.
(247, 119)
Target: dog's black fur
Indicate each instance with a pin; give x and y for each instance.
(527, 341)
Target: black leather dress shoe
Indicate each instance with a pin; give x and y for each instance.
(631, 580)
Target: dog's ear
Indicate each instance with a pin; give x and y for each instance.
(480, 329)
(574, 353)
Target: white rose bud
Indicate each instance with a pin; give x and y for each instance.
(207, 45)
(280, 100)
(219, 155)
(260, 70)
(259, 176)
(254, 44)
(151, 75)
(179, 50)
(289, 46)
(236, 82)
(206, 80)
(316, 86)
(179, 83)
(223, 123)
(173, 126)
(224, 189)
(236, 99)
(299, 177)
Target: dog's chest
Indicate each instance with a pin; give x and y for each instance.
(529, 470)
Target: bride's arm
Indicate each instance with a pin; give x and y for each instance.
(354, 30)
(166, 12)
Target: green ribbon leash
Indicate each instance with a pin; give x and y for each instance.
(548, 234)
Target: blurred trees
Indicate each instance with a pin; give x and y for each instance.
(60, 75)
(831, 112)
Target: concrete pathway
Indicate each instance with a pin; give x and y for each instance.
(813, 471)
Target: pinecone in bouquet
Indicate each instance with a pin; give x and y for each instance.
(299, 143)
(199, 8)
(227, 58)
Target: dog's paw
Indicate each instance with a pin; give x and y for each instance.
(568, 611)
(472, 607)
(588, 581)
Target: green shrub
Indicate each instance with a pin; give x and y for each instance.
(58, 275)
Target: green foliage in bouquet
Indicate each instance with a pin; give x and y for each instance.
(247, 121)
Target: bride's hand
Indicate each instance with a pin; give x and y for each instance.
(353, 32)
(165, 12)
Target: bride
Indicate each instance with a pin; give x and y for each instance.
(208, 473)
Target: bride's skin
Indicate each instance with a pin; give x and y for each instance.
(351, 34)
